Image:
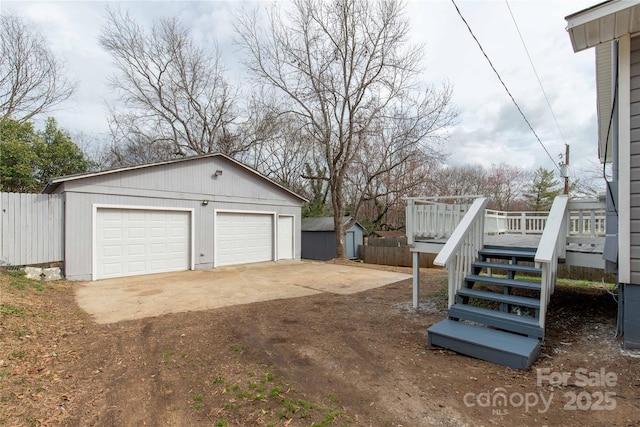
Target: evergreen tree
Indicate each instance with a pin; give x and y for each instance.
(17, 158)
(29, 159)
(543, 190)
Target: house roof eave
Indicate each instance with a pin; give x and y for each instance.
(602, 23)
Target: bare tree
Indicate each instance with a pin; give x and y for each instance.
(32, 81)
(174, 92)
(346, 71)
(590, 181)
(505, 186)
(458, 181)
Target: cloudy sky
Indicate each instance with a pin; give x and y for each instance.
(489, 130)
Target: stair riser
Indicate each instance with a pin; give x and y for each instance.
(487, 280)
(506, 325)
(517, 258)
(480, 352)
(505, 268)
(461, 299)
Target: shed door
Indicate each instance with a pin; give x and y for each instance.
(242, 238)
(285, 237)
(131, 242)
(350, 244)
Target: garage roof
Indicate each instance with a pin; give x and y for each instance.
(323, 223)
(55, 182)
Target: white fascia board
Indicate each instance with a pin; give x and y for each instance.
(598, 11)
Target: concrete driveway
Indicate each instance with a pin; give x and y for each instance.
(114, 300)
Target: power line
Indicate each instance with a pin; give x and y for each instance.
(504, 85)
(535, 72)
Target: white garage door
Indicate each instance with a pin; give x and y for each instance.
(285, 237)
(242, 238)
(131, 242)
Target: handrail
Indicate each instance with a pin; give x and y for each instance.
(551, 237)
(553, 244)
(462, 247)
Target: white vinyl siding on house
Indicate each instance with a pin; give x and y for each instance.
(243, 238)
(132, 242)
(285, 237)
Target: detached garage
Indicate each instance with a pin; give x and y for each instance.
(194, 213)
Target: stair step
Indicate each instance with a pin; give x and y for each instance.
(504, 348)
(512, 267)
(503, 252)
(498, 319)
(522, 284)
(503, 298)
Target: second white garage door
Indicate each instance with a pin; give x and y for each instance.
(242, 238)
(131, 242)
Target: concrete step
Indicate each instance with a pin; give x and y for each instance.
(500, 347)
(510, 322)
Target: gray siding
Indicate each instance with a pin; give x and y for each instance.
(189, 180)
(31, 228)
(182, 185)
(635, 161)
(631, 299)
(321, 245)
(318, 245)
(631, 316)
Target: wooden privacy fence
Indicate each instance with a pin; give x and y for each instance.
(398, 256)
(31, 228)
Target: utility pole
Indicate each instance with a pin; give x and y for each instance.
(565, 169)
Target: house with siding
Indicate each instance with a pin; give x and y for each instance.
(200, 212)
(612, 29)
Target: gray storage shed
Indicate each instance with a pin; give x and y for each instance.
(194, 213)
(319, 238)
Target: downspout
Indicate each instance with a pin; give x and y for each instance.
(611, 239)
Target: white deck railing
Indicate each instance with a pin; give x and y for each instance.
(500, 222)
(586, 220)
(461, 249)
(553, 244)
(430, 218)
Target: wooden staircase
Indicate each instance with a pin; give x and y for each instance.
(496, 313)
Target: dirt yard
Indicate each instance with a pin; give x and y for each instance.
(322, 360)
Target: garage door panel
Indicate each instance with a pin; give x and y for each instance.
(112, 233)
(178, 232)
(136, 267)
(135, 232)
(112, 269)
(158, 232)
(112, 251)
(243, 238)
(133, 242)
(158, 248)
(133, 250)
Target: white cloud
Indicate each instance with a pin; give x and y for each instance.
(490, 129)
